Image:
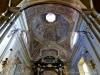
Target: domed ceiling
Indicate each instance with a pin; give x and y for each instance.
(51, 27)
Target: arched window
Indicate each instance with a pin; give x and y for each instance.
(74, 39)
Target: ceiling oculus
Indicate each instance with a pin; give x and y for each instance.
(50, 17)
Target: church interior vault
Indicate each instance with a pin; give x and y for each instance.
(55, 34)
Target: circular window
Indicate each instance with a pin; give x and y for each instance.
(50, 17)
